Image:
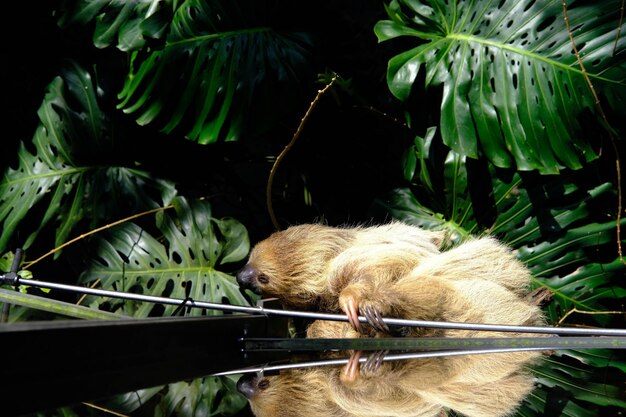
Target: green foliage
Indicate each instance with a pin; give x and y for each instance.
(213, 71)
(202, 397)
(209, 69)
(128, 22)
(184, 262)
(513, 90)
(553, 227)
(185, 265)
(64, 178)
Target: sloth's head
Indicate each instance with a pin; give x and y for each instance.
(291, 264)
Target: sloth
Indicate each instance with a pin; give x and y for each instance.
(372, 270)
(398, 271)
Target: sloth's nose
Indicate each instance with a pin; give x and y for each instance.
(247, 385)
(247, 278)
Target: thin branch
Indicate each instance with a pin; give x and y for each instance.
(279, 158)
(99, 229)
(575, 310)
(105, 410)
(607, 126)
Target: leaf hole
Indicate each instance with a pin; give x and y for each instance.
(515, 81)
(176, 257)
(546, 23)
(169, 287)
(529, 5)
(123, 257)
(492, 81)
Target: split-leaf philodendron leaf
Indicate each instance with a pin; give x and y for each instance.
(64, 180)
(186, 263)
(222, 70)
(513, 90)
(557, 230)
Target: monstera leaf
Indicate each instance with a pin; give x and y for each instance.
(221, 59)
(64, 179)
(555, 227)
(513, 90)
(553, 224)
(130, 22)
(187, 265)
(186, 260)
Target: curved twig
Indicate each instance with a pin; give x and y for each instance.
(606, 124)
(91, 232)
(279, 158)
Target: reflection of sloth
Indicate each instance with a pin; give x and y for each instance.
(478, 385)
(393, 271)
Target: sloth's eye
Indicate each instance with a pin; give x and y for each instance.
(263, 279)
(264, 384)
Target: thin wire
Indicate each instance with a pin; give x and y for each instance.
(390, 357)
(320, 316)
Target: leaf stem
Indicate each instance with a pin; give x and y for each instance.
(607, 127)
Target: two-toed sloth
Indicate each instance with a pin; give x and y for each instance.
(400, 271)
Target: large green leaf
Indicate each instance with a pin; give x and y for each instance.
(223, 67)
(63, 180)
(129, 258)
(552, 224)
(558, 228)
(128, 22)
(556, 372)
(512, 88)
(188, 260)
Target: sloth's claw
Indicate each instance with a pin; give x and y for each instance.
(351, 372)
(373, 361)
(350, 306)
(375, 319)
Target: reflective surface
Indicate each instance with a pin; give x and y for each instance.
(473, 385)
